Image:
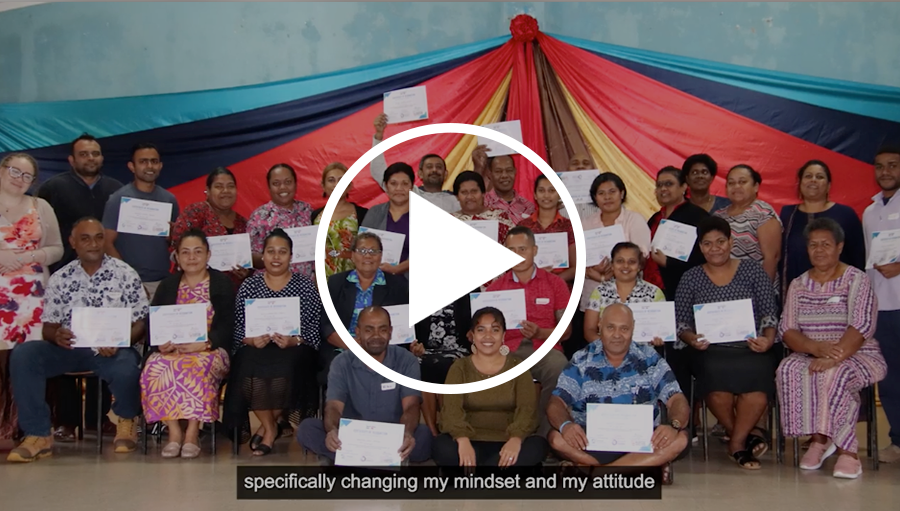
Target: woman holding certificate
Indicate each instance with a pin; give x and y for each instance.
(215, 216)
(276, 336)
(344, 222)
(469, 190)
(725, 309)
(29, 243)
(180, 382)
(547, 220)
(829, 323)
(282, 212)
(756, 227)
(627, 286)
(393, 215)
(494, 427)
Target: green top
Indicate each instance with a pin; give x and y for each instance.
(493, 415)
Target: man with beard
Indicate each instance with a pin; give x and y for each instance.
(884, 215)
(432, 172)
(357, 392)
(503, 196)
(75, 195)
(149, 255)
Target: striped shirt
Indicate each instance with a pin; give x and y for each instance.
(744, 229)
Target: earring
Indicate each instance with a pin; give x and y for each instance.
(473, 348)
(504, 350)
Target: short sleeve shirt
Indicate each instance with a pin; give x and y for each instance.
(607, 294)
(149, 255)
(115, 284)
(271, 216)
(642, 378)
(366, 394)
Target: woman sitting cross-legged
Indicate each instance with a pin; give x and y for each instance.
(181, 381)
(829, 323)
(494, 427)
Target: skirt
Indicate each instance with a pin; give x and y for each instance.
(827, 403)
(736, 369)
(177, 387)
(262, 379)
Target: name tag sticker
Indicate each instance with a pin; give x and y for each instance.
(388, 386)
(834, 299)
(894, 216)
(541, 301)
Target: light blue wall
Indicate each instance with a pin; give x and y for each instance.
(91, 50)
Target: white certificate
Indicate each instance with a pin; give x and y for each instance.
(725, 321)
(403, 334)
(178, 324)
(511, 128)
(675, 239)
(553, 250)
(369, 444)
(405, 105)
(392, 243)
(101, 327)
(619, 428)
(884, 248)
(655, 319)
(510, 303)
(600, 242)
(304, 243)
(146, 217)
(230, 251)
(269, 316)
(578, 184)
(490, 228)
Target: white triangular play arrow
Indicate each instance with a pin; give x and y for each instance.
(447, 258)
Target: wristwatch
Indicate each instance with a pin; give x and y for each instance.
(675, 423)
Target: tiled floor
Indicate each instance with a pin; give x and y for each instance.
(75, 479)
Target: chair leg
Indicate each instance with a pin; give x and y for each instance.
(796, 441)
(704, 425)
(99, 415)
(82, 420)
(144, 434)
(873, 429)
(236, 441)
(213, 435)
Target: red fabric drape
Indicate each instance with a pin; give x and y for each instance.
(456, 96)
(656, 125)
(525, 105)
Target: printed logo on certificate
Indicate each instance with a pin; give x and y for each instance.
(884, 248)
(178, 324)
(405, 105)
(619, 428)
(101, 327)
(402, 333)
(725, 321)
(270, 316)
(654, 319)
(369, 444)
(511, 303)
(553, 250)
(144, 217)
(229, 251)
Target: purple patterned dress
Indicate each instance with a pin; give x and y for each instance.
(827, 402)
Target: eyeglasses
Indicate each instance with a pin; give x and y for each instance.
(18, 174)
(368, 251)
(666, 184)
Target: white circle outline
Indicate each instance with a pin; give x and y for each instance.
(439, 129)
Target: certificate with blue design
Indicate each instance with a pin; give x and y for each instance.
(101, 327)
(511, 303)
(553, 250)
(229, 251)
(490, 228)
(144, 217)
(369, 444)
(884, 248)
(675, 239)
(619, 428)
(725, 321)
(654, 319)
(403, 333)
(512, 129)
(303, 240)
(178, 324)
(600, 242)
(406, 105)
(391, 243)
(578, 184)
(270, 316)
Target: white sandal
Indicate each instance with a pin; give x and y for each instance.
(171, 450)
(190, 451)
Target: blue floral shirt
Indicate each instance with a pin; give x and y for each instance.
(363, 298)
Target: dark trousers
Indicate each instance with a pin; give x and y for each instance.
(445, 452)
(888, 336)
(311, 435)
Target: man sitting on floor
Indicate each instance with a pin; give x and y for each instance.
(616, 370)
(357, 392)
(92, 280)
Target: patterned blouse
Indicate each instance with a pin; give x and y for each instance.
(744, 228)
(491, 214)
(311, 310)
(337, 244)
(823, 312)
(196, 294)
(200, 215)
(607, 294)
(269, 217)
(750, 282)
(442, 339)
(519, 208)
(363, 298)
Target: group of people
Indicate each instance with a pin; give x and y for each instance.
(824, 322)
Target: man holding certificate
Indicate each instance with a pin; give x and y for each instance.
(616, 371)
(503, 196)
(884, 215)
(138, 218)
(546, 297)
(98, 289)
(357, 393)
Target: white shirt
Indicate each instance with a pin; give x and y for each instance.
(880, 217)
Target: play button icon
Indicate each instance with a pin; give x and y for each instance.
(448, 259)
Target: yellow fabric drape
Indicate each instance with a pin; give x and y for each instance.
(460, 158)
(608, 157)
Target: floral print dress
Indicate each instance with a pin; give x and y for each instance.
(337, 243)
